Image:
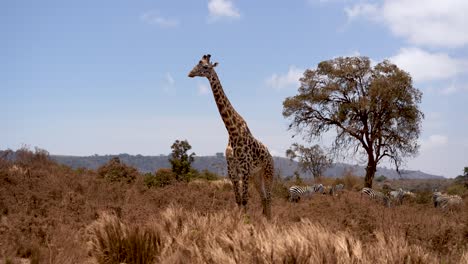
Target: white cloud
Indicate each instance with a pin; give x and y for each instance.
(434, 141)
(362, 9)
(289, 79)
(154, 18)
(222, 8)
(453, 88)
(169, 82)
(423, 22)
(425, 66)
(203, 88)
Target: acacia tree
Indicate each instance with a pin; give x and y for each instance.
(373, 109)
(313, 159)
(180, 160)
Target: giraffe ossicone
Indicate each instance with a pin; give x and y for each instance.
(247, 158)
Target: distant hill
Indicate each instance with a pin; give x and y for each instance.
(217, 163)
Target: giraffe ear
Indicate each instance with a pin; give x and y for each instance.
(215, 64)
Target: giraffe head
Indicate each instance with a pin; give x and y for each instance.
(203, 68)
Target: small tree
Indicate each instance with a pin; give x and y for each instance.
(465, 173)
(313, 159)
(181, 161)
(161, 178)
(373, 109)
(116, 171)
(297, 178)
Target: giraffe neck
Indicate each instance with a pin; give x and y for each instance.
(232, 120)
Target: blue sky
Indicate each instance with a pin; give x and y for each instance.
(108, 77)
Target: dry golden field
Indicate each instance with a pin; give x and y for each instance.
(53, 214)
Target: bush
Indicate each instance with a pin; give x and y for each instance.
(457, 189)
(115, 171)
(381, 178)
(423, 197)
(352, 182)
(195, 174)
(161, 178)
(297, 179)
(279, 189)
(338, 181)
(207, 175)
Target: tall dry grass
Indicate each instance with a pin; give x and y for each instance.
(230, 237)
(110, 241)
(53, 214)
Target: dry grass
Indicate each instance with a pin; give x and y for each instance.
(230, 237)
(110, 241)
(54, 214)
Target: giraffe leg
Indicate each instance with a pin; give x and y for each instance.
(233, 174)
(235, 186)
(267, 180)
(245, 188)
(263, 184)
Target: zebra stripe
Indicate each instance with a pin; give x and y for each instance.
(337, 189)
(375, 195)
(446, 201)
(400, 194)
(296, 192)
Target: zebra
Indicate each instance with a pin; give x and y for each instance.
(400, 194)
(296, 192)
(446, 201)
(335, 190)
(375, 195)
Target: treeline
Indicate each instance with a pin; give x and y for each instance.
(217, 164)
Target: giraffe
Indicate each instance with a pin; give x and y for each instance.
(246, 156)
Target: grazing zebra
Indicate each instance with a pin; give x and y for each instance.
(296, 192)
(335, 190)
(399, 195)
(375, 195)
(446, 201)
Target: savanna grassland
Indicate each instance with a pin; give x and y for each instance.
(51, 213)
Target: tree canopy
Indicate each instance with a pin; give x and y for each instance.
(373, 109)
(313, 159)
(180, 160)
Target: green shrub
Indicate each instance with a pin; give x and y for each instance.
(380, 178)
(297, 179)
(115, 171)
(338, 181)
(207, 175)
(279, 189)
(195, 174)
(457, 189)
(423, 197)
(161, 178)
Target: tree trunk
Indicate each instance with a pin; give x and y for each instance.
(370, 172)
